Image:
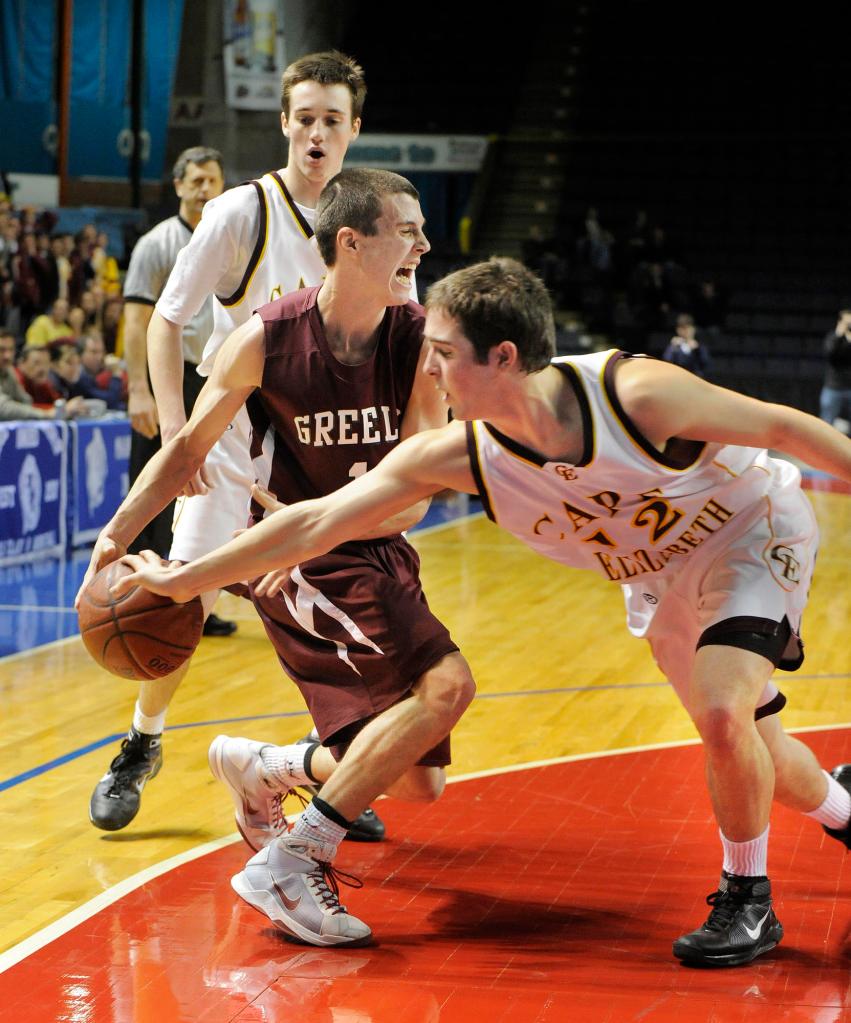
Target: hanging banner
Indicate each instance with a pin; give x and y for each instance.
(33, 490)
(100, 136)
(27, 88)
(254, 53)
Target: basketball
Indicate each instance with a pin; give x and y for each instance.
(139, 635)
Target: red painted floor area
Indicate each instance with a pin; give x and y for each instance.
(551, 894)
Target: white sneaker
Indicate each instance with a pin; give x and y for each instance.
(259, 815)
(292, 882)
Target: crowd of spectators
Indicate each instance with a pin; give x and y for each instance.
(629, 282)
(60, 318)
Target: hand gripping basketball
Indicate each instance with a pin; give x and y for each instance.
(138, 635)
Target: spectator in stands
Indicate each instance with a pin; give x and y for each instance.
(650, 296)
(596, 244)
(638, 237)
(82, 271)
(59, 248)
(27, 276)
(50, 326)
(684, 348)
(107, 278)
(15, 402)
(111, 324)
(77, 323)
(92, 302)
(33, 370)
(33, 373)
(47, 270)
(102, 376)
(659, 248)
(708, 306)
(65, 369)
(835, 402)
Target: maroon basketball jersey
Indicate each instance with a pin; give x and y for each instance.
(316, 422)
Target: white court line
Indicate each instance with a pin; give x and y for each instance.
(82, 913)
(59, 927)
(38, 607)
(37, 649)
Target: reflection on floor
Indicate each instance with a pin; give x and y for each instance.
(548, 894)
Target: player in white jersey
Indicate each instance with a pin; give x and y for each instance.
(254, 244)
(660, 482)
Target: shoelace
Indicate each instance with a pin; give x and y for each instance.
(279, 820)
(118, 760)
(724, 909)
(129, 747)
(326, 881)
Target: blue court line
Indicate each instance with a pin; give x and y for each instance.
(107, 740)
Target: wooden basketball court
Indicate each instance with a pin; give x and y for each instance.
(575, 842)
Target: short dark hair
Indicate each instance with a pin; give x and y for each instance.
(330, 67)
(58, 346)
(499, 300)
(353, 198)
(195, 154)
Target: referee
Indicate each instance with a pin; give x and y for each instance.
(198, 177)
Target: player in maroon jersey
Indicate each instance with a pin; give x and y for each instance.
(331, 378)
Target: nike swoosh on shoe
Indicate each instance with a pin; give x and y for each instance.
(755, 933)
(290, 904)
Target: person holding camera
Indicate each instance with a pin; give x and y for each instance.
(835, 401)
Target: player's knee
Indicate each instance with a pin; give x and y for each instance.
(448, 688)
(432, 786)
(421, 785)
(723, 726)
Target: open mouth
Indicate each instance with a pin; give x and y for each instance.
(315, 154)
(405, 275)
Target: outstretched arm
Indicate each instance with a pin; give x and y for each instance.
(664, 401)
(426, 410)
(417, 468)
(238, 370)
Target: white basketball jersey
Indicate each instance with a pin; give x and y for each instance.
(284, 259)
(625, 510)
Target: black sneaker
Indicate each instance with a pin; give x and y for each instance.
(843, 775)
(215, 626)
(741, 926)
(369, 827)
(117, 796)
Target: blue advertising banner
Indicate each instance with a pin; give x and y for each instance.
(33, 490)
(100, 475)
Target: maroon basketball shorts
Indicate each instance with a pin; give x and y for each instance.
(354, 631)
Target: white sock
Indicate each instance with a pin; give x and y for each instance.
(149, 726)
(286, 763)
(313, 824)
(835, 811)
(746, 859)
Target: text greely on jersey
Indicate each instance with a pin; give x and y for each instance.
(373, 425)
